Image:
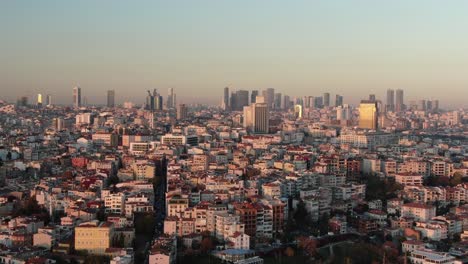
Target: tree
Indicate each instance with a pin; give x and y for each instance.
(456, 179)
(301, 214)
(206, 245)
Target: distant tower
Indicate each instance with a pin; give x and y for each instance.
(170, 98)
(253, 96)
(326, 99)
(226, 98)
(110, 98)
(77, 97)
(390, 106)
(338, 100)
(182, 112)
(48, 100)
(277, 101)
(368, 115)
(372, 97)
(269, 95)
(39, 100)
(399, 101)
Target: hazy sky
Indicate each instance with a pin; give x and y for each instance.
(198, 47)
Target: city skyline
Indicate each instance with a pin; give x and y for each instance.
(325, 46)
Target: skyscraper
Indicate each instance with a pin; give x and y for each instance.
(154, 101)
(326, 99)
(338, 100)
(390, 106)
(256, 117)
(171, 98)
(422, 105)
(368, 115)
(269, 95)
(226, 98)
(253, 96)
(110, 98)
(399, 101)
(48, 101)
(39, 100)
(77, 97)
(372, 97)
(182, 111)
(277, 101)
(239, 99)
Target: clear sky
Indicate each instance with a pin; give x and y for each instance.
(200, 46)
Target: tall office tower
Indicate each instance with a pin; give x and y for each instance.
(298, 111)
(154, 101)
(372, 97)
(256, 116)
(253, 96)
(338, 100)
(110, 98)
(312, 102)
(368, 115)
(226, 99)
(269, 95)
(318, 102)
(239, 99)
(77, 97)
(435, 105)
(22, 101)
(390, 106)
(305, 102)
(399, 101)
(182, 111)
(429, 105)
(343, 113)
(48, 101)
(170, 102)
(286, 102)
(422, 105)
(39, 100)
(326, 99)
(277, 101)
(158, 102)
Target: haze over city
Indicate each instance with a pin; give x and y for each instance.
(351, 48)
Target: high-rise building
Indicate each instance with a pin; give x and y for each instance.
(277, 101)
(182, 111)
(286, 102)
(170, 103)
(435, 105)
(269, 95)
(298, 111)
(429, 105)
(390, 106)
(368, 115)
(226, 98)
(39, 100)
(338, 100)
(110, 98)
(154, 101)
(399, 101)
(239, 99)
(77, 97)
(253, 96)
(372, 97)
(343, 112)
(326, 99)
(318, 102)
(256, 117)
(422, 105)
(48, 101)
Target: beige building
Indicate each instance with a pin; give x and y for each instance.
(94, 237)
